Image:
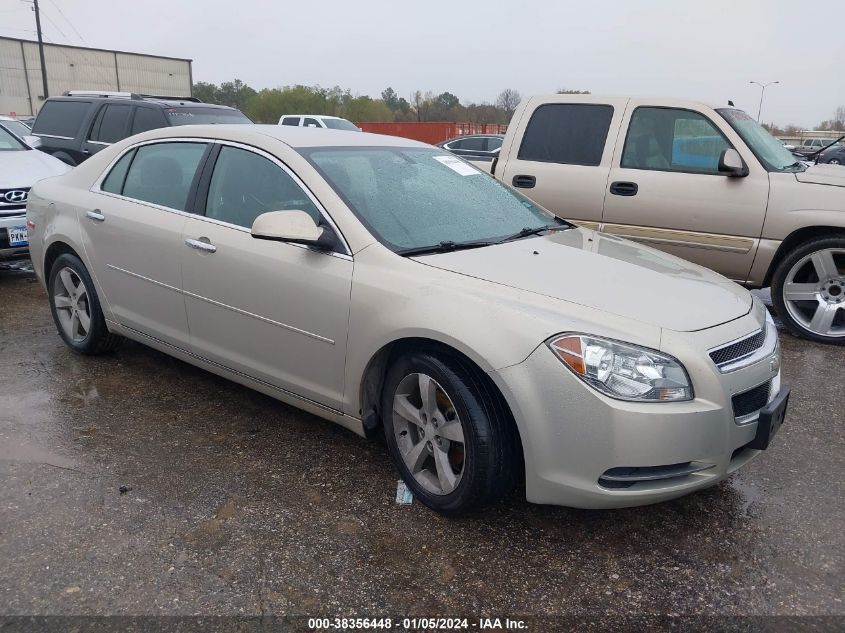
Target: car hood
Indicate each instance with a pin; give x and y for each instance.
(26, 167)
(823, 175)
(606, 273)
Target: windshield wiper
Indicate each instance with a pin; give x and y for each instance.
(443, 247)
(525, 232)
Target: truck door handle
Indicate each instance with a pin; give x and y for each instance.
(619, 188)
(95, 215)
(524, 182)
(202, 245)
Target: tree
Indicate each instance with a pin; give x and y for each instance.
(508, 100)
(235, 94)
(205, 92)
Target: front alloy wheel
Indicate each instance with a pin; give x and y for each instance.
(809, 290)
(448, 431)
(428, 433)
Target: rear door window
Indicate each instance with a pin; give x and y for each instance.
(61, 118)
(147, 119)
(494, 143)
(113, 183)
(112, 127)
(162, 173)
(570, 134)
(291, 120)
(311, 123)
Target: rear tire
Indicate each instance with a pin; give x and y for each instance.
(76, 308)
(808, 290)
(467, 446)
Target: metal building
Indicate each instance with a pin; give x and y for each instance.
(79, 68)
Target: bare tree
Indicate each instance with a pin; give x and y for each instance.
(839, 118)
(507, 100)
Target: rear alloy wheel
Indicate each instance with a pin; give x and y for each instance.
(76, 307)
(833, 161)
(448, 432)
(808, 290)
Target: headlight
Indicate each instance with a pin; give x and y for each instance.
(622, 371)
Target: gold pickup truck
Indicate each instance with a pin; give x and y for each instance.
(707, 184)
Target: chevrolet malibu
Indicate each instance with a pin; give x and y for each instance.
(393, 288)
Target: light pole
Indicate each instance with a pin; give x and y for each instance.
(762, 92)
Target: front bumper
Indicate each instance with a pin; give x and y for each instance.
(581, 447)
(8, 252)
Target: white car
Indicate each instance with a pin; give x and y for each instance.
(318, 120)
(21, 166)
(393, 288)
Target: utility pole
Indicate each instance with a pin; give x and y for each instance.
(762, 92)
(41, 48)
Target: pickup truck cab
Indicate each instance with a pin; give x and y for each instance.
(707, 184)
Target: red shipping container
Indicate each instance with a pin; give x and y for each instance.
(430, 131)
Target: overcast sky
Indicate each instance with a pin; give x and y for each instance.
(701, 50)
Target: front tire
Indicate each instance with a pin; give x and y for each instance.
(76, 307)
(808, 290)
(448, 432)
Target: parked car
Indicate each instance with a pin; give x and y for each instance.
(21, 166)
(478, 149)
(391, 287)
(484, 145)
(18, 128)
(81, 123)
(704, 183)
(810, 145)
(833, 155)
(318, 120)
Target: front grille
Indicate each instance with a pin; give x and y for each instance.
(10, 199)
(751, 401)
(739, 349)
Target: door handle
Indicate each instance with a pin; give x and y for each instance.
(620, 188)
(85, 151)
(95, 215)
(201, 245)
(524, 182)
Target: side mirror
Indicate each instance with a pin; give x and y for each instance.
(292, 226)
(33, 141)
(730, 164)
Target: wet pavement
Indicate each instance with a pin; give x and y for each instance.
(136, 484)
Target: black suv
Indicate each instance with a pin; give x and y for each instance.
(79, 124)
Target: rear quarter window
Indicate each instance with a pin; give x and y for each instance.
(566, 133)
(61, 118)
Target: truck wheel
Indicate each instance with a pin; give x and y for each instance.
(76, 308)
(808, 290)
(447, 432)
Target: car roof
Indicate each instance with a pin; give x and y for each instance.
(315, 116)
(296, 137)
(165, 103)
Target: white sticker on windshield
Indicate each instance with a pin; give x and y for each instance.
(457, 165)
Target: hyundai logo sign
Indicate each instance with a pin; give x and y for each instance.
(15, 196)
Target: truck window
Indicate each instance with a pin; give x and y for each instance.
(671, 139)
(60, 118)
(290, 120)
(570, 134)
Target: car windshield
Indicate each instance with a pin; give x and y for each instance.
(412, 198)
(16, 127)
(340, 124)
(204, 116)
(766, 147)
(9, 142)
